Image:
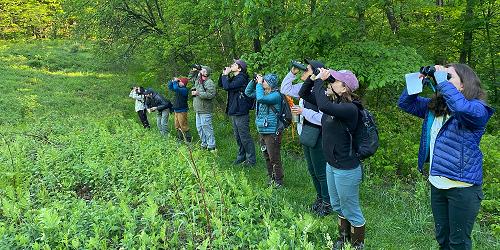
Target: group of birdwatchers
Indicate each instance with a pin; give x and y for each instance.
(454, 120)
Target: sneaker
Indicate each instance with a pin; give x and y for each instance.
(315, 206)
(238, 161)
(248, 164)
(324, 209)
(213, 150)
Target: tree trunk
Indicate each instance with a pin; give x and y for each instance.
(393, 22)
(256, 43)
(312, 5)
(361, 22)
(466, 50)
(439, 16)
(487, 18)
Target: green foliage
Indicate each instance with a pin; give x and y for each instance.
(78, 171)
(28, 18)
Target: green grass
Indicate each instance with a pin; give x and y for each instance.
(78, 171)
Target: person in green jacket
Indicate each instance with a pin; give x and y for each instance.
(203, 94)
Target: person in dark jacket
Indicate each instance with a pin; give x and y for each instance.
(180, 106)
(158, 103)
(238, 108)
(310, 125)
(266, 92)
(454, 121)
(343, 168)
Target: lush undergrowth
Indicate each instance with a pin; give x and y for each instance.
(78, 171)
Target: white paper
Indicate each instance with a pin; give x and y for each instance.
(413, 83)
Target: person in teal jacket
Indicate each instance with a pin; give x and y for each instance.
(266, 91)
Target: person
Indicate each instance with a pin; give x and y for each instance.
(180, 107)
(343, 168)
(156, 102)
(203, 94)
(310, 124)
(454, 120)
(267, 96)
(238, 108)
(137, 93)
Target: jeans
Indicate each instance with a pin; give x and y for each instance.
(241, 130)
(316, 167)
(205, 130)
(343, 187)
(271, 143)
(454, 212)
(162, 120)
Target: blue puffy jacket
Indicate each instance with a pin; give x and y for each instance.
(456, 151)
(266, 119)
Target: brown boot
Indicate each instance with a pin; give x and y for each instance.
(344, 233)
(358, 237)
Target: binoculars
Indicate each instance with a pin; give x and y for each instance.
(303, 67)
(196, 66)
(428, 71)
(298, 65)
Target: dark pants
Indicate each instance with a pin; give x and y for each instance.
(241, 130)
(455, 211)
(143, 117)
(316, 166)
(271, 145)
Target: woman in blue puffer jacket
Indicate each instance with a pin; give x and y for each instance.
(266, 92)
(454, 122)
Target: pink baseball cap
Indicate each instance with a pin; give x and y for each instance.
(346, 77)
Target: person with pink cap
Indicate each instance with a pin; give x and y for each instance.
(343, 168)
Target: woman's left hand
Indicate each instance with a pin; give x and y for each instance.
(259, 78)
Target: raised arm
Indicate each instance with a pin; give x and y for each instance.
(235, 83)
(413, 104)
(342, 111)
(288, 88)
(269, 99)
(306, 93)
(472, 113)
(250, 89)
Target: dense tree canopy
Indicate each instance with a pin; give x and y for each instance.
(387, 36)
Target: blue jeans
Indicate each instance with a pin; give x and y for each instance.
(162, 120)
(205, 130)
(343, 187)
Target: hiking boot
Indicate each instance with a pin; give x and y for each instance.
(358, 237)
(344, 233)
(238, 161)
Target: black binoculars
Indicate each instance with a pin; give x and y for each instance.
(196, 66)
(428, 71)
(298, 65)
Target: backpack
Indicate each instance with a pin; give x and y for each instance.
(284, 115)
(366, 139)
(249, 102)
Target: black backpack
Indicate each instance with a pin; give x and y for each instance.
(366, 134)
(284, 115)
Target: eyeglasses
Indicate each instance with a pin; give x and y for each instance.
(204, 75)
